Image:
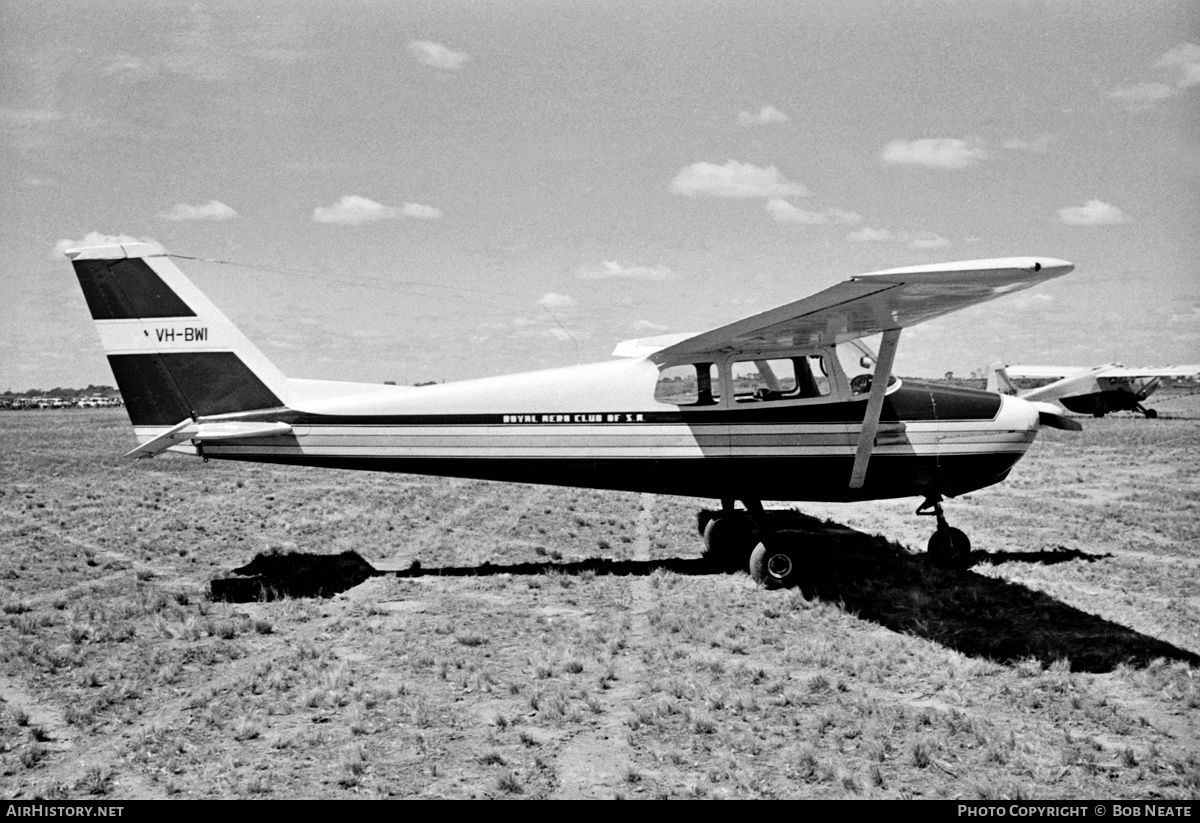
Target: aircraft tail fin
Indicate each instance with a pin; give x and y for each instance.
(998, 380)
(173, 353)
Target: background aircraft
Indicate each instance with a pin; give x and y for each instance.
(1096, 391)
(786, 405)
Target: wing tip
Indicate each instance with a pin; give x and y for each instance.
(1045, 267)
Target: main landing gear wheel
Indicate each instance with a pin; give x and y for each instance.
(949, 548)
(728, 541)
(776, 566)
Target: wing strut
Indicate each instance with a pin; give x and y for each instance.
(879, 384)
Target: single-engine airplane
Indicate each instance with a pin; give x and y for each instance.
(1096, 391)
(786, 405)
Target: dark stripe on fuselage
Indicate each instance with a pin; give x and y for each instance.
(127, 290)
(816, 478)
(163, 389)
(913, 402)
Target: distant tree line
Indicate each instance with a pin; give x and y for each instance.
(61, 398)
(60, 391)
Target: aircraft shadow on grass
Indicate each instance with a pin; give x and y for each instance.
(873, 578)
(1045, 557)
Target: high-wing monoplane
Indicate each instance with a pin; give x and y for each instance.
(787, 405)
(1097, 390)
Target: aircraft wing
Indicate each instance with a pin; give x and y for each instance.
(1108, 370)
(1047, 372)
(1154, 371)
(1073, 385)
(1075, 380)
(874, 303)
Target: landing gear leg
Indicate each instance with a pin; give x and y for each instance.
(729, 537)
(1149, 414)
(949, 547)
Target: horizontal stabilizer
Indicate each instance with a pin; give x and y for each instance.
(207, 432)
(1050, 415)
(645, 346)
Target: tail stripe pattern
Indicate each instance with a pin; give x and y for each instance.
(127, 290)
(174, 355)
(162, 389)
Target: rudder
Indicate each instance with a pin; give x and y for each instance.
(998, 380)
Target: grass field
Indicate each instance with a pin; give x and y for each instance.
(529, 642)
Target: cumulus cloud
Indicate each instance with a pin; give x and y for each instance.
(647, 325)
(1184, 315)
(869, 235)
(927, 240)
(613, 270)
(785, 212)
(1181, 65)
(1143, 93)
(915, 240)
(353, 210)
(420, 212)
(1184, 62)
(212, 210)
(554, 300)
(95, 238)
(766, 115)
(437, 55)
(933, 152)
(734, 180)
(1039, 144)
(29, 117)
(1092, 213)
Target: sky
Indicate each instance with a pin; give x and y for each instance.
(413, 191)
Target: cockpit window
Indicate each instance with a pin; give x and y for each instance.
(857, 359)
(791, 378)
(691, 384)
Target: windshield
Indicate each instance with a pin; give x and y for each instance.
(857, 359)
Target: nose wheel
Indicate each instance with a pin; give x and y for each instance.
(948, 548)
